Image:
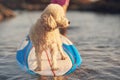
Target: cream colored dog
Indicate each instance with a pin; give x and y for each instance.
(45, 34)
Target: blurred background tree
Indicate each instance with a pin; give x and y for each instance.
(106, 6)
(94, 5)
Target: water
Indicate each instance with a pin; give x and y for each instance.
(97, 37)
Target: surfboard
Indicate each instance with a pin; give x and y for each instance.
(26, 59)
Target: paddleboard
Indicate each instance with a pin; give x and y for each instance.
(26, 59)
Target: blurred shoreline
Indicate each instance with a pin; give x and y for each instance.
(103, 6)
(7, 7)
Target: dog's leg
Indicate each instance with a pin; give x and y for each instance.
(63, 57)
(40, 58)
(54, 52)
(38, 53)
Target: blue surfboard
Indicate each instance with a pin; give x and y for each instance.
(27, 61)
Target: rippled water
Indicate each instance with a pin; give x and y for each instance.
(97, 37)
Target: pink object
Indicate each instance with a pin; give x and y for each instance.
(60, 2)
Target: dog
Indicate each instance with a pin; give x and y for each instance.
(45, 34)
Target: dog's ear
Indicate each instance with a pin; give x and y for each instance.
(51, 23)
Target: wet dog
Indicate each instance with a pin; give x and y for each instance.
(45, 34)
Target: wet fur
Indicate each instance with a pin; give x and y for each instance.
(45, 34)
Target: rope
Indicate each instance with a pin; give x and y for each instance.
(50, 63)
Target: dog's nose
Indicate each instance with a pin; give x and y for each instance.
(68, 22)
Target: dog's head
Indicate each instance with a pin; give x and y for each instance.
(54, 17)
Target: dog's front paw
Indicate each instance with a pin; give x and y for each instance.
(63, 57)
(37, 69)
(54, 69)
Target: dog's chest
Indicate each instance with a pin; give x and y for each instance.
(52, 36)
